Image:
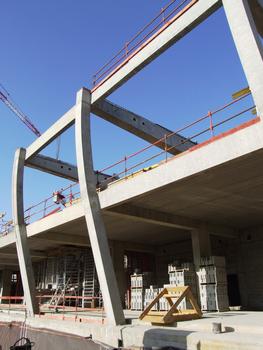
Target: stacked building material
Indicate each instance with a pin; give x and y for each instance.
(213, 284)
(163, 303)
(183, 275)
(138, 284)
(149, 295)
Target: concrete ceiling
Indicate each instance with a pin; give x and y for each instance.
(230, 194)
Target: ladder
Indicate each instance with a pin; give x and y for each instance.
(59, 293)
(90, 281)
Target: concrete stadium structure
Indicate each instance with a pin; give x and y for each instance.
(205, 199)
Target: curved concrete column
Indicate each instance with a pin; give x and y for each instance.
(248, 45)
(92, 210)
(24, 258)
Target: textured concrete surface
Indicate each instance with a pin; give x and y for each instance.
(241, 330)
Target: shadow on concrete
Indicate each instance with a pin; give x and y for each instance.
(228, 314)
(229, 330)
(166, 338)
(44, 339)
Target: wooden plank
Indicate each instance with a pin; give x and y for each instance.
(155, 300)
(172, 315)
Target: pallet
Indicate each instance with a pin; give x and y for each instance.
(174, 296)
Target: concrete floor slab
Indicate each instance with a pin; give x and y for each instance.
(241, 330)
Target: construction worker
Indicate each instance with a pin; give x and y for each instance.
(59, 198)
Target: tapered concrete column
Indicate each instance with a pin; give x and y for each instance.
(24, 258)
(91, 206)
(248, 45)
(201, 245)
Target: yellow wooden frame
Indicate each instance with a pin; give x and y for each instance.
(173, 314)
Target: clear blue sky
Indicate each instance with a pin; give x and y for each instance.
(50, 49)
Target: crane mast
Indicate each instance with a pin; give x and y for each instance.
(4, 97)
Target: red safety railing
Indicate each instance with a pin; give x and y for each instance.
(142, 160)
(143, 37)
(12, 303)
(124, 167)
(69, 305)
(48, 207)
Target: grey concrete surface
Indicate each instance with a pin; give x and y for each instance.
(92, 211)
(141, 127)
(241, 330)
(23, 253)
(249, 46)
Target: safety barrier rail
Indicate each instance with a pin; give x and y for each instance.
(69, 305)
(12, 303)
(123, 167)
(162, 20)
(68, 196)
(147, 158)
(6, 227)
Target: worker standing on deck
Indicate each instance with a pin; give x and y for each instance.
(59, 198)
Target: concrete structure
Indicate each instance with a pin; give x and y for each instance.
(204, 200)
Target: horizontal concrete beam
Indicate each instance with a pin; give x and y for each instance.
(64, 239)
(169, 220)
(155, 47)
(52, 133)
(139, 126)
(13, 252)
(62, 169)
(53, 166)
(183, 25)
(7, 264)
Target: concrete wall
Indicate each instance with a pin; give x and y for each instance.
(244, 258)
(168, 253)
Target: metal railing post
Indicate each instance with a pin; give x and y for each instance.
(210, 115)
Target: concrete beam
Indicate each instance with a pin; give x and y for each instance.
(23, 253)
(12, 252)
(8, 264)
(174, 32)
(169, 220)
(248, 45)
(62, 169)
(51, 134)
(59, 238)
(92, 212)
(139, 126)
(53, 166)
(155, 47)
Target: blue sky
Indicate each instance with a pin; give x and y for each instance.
(50, 49)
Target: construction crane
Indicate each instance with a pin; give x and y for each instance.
(5, 97)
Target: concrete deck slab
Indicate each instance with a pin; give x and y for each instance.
(221, 181)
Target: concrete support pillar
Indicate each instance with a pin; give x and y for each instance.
(92, 211)
(248, 45)
(118, 261)
(5, 283)
(24, 258)
(201, 245)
